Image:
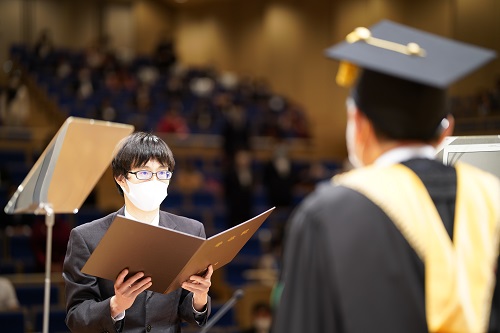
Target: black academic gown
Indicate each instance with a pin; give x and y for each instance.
(347, 268)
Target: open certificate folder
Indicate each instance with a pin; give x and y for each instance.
(168, 256)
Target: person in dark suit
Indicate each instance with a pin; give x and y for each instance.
(239, 185)
(279, 178)
(402, 243)
(126, 305)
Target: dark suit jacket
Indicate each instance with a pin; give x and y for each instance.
(88, 297)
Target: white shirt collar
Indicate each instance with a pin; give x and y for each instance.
(155, 222)
(401, 154)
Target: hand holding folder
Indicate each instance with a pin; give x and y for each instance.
(168, 256)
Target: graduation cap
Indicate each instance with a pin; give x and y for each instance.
(399, 76)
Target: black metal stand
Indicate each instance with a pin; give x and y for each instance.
(226, 307)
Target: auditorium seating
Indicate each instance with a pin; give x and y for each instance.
(13, 321)
(228, 319)
(31, 296)
(201, 111)
(206, 205)
(57, 314)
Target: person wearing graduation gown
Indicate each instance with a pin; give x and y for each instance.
(401, 243)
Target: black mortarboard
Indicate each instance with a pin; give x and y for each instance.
(405, 74)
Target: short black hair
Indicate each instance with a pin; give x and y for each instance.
(136, 150)
(400, 109)
(261, 307)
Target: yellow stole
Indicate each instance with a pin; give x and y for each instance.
(459, 274)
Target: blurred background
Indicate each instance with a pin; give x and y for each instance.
(240, 90)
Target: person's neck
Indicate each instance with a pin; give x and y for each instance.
(382, 147)
(139, 214)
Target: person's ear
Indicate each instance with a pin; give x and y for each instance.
(120, 180)
(451, 126)
(364, 128)
(448, 128)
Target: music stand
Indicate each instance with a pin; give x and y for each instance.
(64, 175)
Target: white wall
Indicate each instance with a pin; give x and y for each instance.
(72, 24)
(10, 27)
(119, 25)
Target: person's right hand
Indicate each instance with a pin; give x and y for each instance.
(127, 290)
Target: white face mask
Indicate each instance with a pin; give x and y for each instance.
(147, 196)
(262, 324)
(350, 137)
(351, 150)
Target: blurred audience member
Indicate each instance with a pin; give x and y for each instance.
(173, 122)
(126, 79)
(98, 55)
(14, 101)
(142, 100)
(43, 45)
(164, 55)
(261, 319)
(142, 104)
(269, 123)
(105, 111)
(84, 86)
(295, 122)
(279, 178)
(496, 95)
(175, 88)
(236, 132)
(112, 81)
(202, 87)
(316, 172)
(8, 297)
(203, 116)
(60, 237)
(228, 81)
(484, 102)
(63, 68)
(187, 178)
(261, 90)
(239, 183)
(147, 75)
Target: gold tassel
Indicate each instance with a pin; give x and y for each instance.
(347, 74)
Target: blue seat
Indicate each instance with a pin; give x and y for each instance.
(3, 202)
(228, 319)
(234, 272)
(252, 247)
(33, 295)
(19, 247)
(203, 199)
(57, 322)
(88, 215)
(10, 156)
(17, 171)
(260, 198)
(175, 199)
(297, 198)
(220, 221)
(7, 267)
(13, 321)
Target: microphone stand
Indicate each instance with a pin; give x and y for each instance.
(226, 307)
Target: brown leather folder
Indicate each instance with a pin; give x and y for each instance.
(168, 256)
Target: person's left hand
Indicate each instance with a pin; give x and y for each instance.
(199, 286)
